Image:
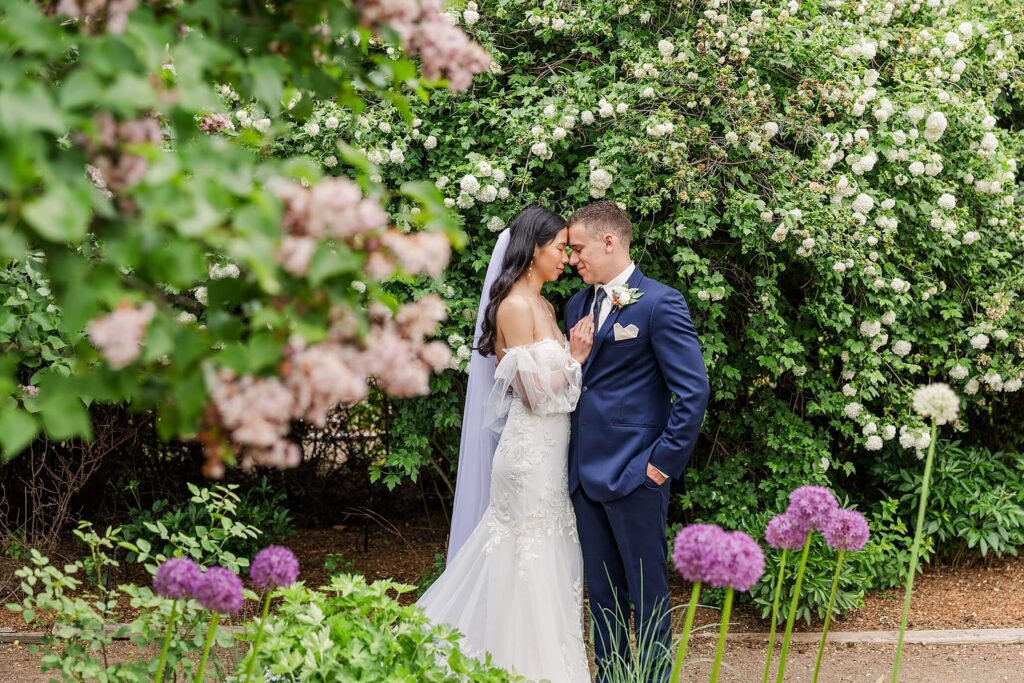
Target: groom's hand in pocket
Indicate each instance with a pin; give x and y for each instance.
(656, 475)
(581, 339)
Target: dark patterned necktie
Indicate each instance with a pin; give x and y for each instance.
(598, 302)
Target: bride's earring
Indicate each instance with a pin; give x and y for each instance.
(529, 272)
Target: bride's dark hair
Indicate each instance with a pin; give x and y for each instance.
(535, 226)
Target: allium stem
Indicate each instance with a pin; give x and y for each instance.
(914, 551)
(677, 666)
(775, 615)
(214, 617)
(167, 643)
(259, 636)
(722, 630)
(780, 675)
(828, 616)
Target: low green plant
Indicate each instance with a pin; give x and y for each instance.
(431, 576)
(336, 563)
(215, 527)
(976, 504)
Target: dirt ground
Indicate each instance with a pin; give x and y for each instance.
(982, 596)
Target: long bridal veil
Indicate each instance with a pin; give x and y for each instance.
(479, 441)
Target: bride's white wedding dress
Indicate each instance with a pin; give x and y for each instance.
(515, 588)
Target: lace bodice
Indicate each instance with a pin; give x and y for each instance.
(543, 376)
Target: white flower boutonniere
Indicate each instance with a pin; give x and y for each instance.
(624, 296)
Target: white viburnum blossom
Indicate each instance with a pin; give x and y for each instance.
(863, 203)
(430, 142)
(958, 372)
(936, 401)
(469, 184)
(873, 443)
(935, 126)
(901, 348)
(979, 341)
(852, 410)
(870, 328)
(947, 201)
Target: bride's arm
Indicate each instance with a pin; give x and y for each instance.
(515, 327)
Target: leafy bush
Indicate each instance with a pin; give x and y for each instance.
(216, 526)
(976, 500)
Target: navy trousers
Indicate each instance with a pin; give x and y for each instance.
(624, 562)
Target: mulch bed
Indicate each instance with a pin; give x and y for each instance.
(984, 595)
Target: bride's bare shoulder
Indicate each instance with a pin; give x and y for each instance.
(515, 320)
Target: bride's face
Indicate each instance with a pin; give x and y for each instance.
(550, 259)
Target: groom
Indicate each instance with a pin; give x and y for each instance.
(643, 398)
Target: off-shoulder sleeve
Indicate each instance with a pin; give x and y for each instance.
(546, 378)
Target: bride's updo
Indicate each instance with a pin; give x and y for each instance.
(535, 226)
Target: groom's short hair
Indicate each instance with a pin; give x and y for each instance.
(604, 216)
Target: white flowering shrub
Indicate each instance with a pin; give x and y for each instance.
(833, 186)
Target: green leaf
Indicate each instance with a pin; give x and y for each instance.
(64, 416)
(17, 429)
(60, 215)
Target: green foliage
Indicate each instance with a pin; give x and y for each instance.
(78, 612)
(975, 503)
(336, 563)
(216, 526)
(353, 630)
(428, 579)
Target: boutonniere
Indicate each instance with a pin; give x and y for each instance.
(624, 296)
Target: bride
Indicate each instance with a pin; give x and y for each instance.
(513, 584)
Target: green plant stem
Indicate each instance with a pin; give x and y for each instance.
(775, 615)
(677, 666)
(167, 643)
(914, 551)
(780, 675)
(828, 617)
(722, 630)
(259, 636)
(206, 648)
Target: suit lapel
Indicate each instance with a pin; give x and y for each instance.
(609, 324)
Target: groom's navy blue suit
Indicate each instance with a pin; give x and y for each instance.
(643, 401)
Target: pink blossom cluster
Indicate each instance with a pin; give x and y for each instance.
(421, 253)
(215, 123)
(118, 334)
(444, 49)
(255, 413)
(111, 167)
(97, 14)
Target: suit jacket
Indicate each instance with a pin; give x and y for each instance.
(626, 415)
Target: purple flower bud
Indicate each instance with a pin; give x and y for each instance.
(219, 590)
(696, 553)
(176, 578)
(846, 530)
(811, 506)
(274, 567)
(783, 532)
(743, 562)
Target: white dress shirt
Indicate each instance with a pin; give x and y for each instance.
(606, 305)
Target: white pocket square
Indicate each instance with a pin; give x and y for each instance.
(628, 332)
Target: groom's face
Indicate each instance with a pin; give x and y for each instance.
(589, 254)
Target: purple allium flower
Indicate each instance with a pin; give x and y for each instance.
(811, 506)
(742, 562)
(219, 590)
(846, 530)
(697, 552)
(274, 567)
(783, 532)
(176, 578)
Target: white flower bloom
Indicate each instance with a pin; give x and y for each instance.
(888, 432)
(979, 341)
(384, 127)
(263, 125)
(430, 142)
(396, 155)
(916, 168)
(503, 193)
(496, 224)
(863, 203)
(989, 143)
(870, 328)
(958, 372)
(889, 317)
(558, 23)
(621, 107)
(359, 286)
(988, 123)
(201, 295)
(540, 149)
(587, 117)
(665, 47)
(331, 161)
(229, 271)
(331, 122)
(852, 410)
(647, 92)
(488, 194)
(901, 348)
(568, 122)
(780, 234)
(849, 390)
(770, 128)
(465, 201)
(870, 428)
(470, 17)
(469, 184)
(970, 237)
(558, 133)
(873, 443)
(936, 401)
(550, 111)
(312, 129)
(441, 182)
(449, 202)
(935, 126)
(947, 201)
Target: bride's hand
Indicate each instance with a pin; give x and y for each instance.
(581, 339)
